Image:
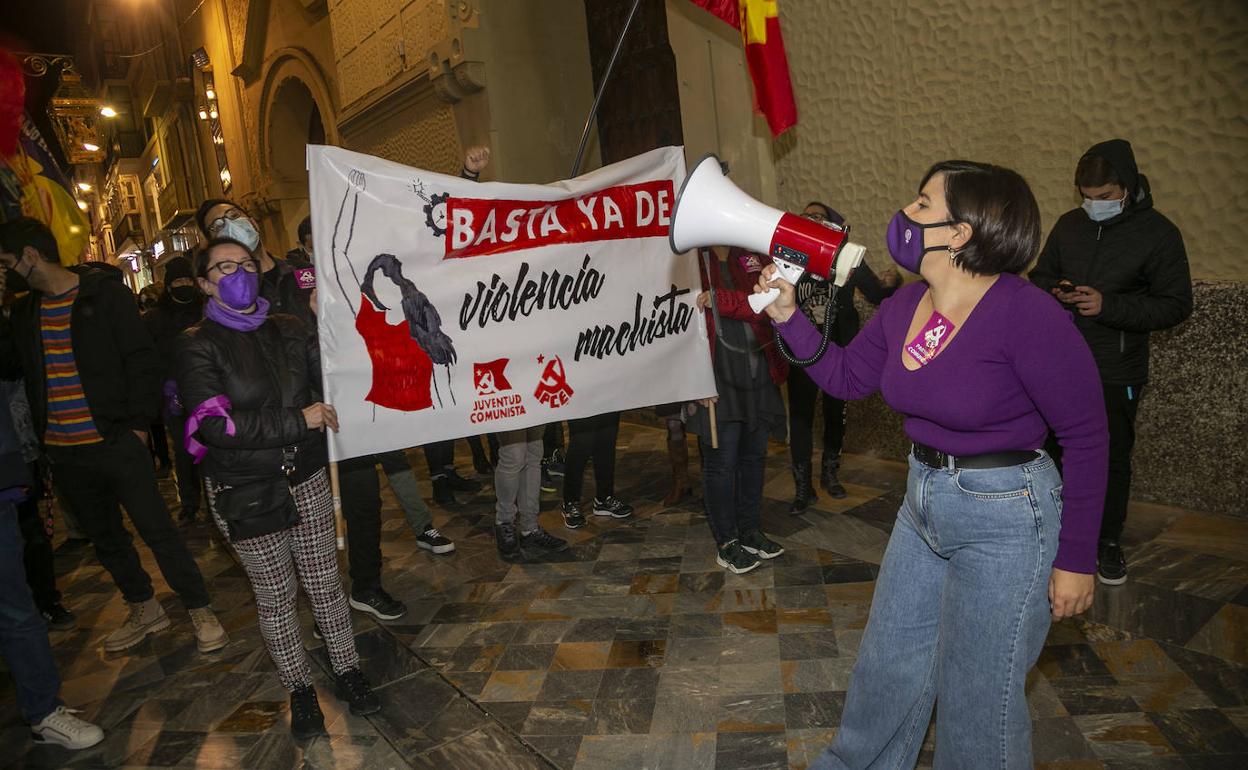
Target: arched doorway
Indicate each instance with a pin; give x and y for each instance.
(294, 122)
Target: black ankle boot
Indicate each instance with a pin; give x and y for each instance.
(306, 719)
(831, 484)
(803, 490)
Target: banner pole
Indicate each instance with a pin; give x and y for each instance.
(714, 428)
(602, 87)
(340, 526)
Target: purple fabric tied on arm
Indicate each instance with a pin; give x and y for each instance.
(217, 406)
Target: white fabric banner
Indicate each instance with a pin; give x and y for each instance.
(449, 308)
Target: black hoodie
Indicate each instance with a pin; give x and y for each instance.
(1136, 260)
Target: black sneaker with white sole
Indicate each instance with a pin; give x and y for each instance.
(612, 506)
(572, 516)
(736, 559)
(548, 482)
(1111, 563)
(433, 540)
(758, 544)
(379, 604)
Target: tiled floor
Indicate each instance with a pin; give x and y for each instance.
(633, 650)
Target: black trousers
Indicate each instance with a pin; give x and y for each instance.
(98, 480)
(159, 443)
(361, 509)
(591, 437)
(552, 438)
(189, 482)
(37, 552)
(1122, 403)
(733, 479)
(439, 455)
(803, 395)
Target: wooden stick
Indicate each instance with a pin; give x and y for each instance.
(340, 525)
(714, 428)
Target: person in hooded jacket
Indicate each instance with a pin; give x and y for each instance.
(221, 218)
(1119, 266)
(180, 306)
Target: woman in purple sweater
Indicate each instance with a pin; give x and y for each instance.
(989, 545)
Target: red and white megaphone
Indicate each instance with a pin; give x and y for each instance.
(712, 211)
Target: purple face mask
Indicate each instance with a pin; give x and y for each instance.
(239, 289)
(905, 241)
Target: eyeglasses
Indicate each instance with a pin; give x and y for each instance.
(815, 217)
(228, 267)
(231, 215)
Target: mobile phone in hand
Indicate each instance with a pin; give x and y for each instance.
(1066, 285)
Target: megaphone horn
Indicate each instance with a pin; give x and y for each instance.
(710, 210)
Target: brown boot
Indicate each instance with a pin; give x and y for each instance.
(678, 456)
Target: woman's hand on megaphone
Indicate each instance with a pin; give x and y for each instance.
(786, 304)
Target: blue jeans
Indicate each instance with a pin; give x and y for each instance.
(733, 479)
(23, 634)
(959, 617)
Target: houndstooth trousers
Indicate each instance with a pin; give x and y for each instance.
(306, 553)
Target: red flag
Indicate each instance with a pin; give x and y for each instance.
(759, 23)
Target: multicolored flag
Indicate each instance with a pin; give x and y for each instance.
(759, 23)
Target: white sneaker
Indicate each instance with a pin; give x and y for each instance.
(63, 728)
(210, 635)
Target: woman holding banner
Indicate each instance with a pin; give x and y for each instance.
(749, 410)
(988, 546)
(252, 381)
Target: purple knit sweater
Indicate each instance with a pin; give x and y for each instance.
(1015, 369)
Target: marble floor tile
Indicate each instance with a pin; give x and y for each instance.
(751, 713)
(1201, 731)
(751, 751)
(1124, 736)
(611, 752)
(490, 746)
(1225, 636)
(811, 710)
(513, 686)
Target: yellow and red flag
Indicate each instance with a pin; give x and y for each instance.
(759, 23)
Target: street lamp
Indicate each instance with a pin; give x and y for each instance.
(89, 147)
(82, 205)
(108, 112)
(203, 113)
(84, 187)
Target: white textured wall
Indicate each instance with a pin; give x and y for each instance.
(887, 87)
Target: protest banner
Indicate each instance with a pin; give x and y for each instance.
(448, 307)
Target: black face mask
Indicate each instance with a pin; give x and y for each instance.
(183, 295)
(15, 282)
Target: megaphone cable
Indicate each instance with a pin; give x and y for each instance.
(829, 320)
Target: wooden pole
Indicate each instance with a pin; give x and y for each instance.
(714, 428)
(340, 526)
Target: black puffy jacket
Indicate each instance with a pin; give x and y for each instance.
(269, 375)
(1138, 263)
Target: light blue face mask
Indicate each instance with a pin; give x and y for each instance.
(1099, 211)
(240, 230)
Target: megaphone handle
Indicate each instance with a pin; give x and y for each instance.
(758, 302)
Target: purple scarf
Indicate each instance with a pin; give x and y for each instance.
(217, 406)
(233, 319)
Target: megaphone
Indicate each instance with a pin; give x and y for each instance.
(710, 210)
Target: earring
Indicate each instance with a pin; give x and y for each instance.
(953, 254)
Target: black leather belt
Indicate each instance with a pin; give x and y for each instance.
(934, 458)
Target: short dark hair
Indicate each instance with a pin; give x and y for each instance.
(17, 234)
(201, 214)
(305, 228)
(1094, 171)
(1000, 208)
(205, 251)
